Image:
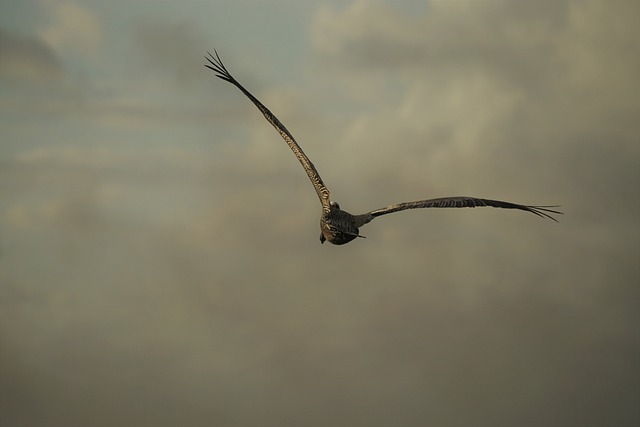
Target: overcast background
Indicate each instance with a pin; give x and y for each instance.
(159, 254)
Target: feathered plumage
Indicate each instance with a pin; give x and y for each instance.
(338, 226)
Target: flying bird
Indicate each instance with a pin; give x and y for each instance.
(336, 225)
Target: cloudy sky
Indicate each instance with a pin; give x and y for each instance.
(159, 254)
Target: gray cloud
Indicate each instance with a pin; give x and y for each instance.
(172, 48)
(27, 58)
(173, 276)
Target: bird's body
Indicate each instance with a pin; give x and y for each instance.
(338, 226)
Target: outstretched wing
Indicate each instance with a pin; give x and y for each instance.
(323, 193)
(464, 202)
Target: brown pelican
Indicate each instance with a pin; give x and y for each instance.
(338, 226)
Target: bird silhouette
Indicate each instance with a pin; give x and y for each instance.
(336, 225)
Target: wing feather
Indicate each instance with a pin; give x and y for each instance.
(465, 202)
(221, 72)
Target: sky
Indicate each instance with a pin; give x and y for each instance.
(159, 254)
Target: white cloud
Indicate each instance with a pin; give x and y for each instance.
(71, 27)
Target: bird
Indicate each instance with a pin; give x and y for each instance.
(338, 226)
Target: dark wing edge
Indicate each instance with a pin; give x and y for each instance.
(467, 202)
(221, 71)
